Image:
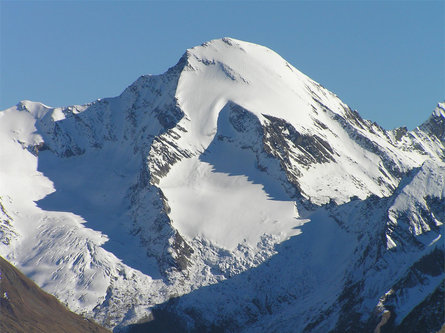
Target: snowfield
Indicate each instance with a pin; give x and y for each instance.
(226, 210)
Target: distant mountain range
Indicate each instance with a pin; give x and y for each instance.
(230, 194)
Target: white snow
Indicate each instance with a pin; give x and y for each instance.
(81, 242)
(19, 178)
(54, 248)
(226, 210)
(439, 111)
(222, 72)
(262, 82)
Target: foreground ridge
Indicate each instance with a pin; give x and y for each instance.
(26, 308)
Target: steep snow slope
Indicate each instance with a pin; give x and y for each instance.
(52, 247)
(287, 101)
(230, 167)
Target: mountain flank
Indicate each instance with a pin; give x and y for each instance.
(24, 307)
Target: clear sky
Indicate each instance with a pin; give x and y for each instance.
(384, 58)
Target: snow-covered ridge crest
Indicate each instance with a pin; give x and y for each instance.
(259, 80)
(434, 127)
(231, 164)
(440, 110)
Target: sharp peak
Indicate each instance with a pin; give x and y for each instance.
(440, 110)
(438, 114)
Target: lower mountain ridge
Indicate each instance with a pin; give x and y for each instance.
(26, 308)
(230, 194)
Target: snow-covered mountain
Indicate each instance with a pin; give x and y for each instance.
(231, 192)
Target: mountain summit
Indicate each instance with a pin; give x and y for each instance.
(230, 193)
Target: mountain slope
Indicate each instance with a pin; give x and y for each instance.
(340, 266)
(231, 173)
(26, 308)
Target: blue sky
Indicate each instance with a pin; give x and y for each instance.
(385, 59)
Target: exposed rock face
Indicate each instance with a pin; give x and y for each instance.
(425, 317)
(231, 193)
(435, 125)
